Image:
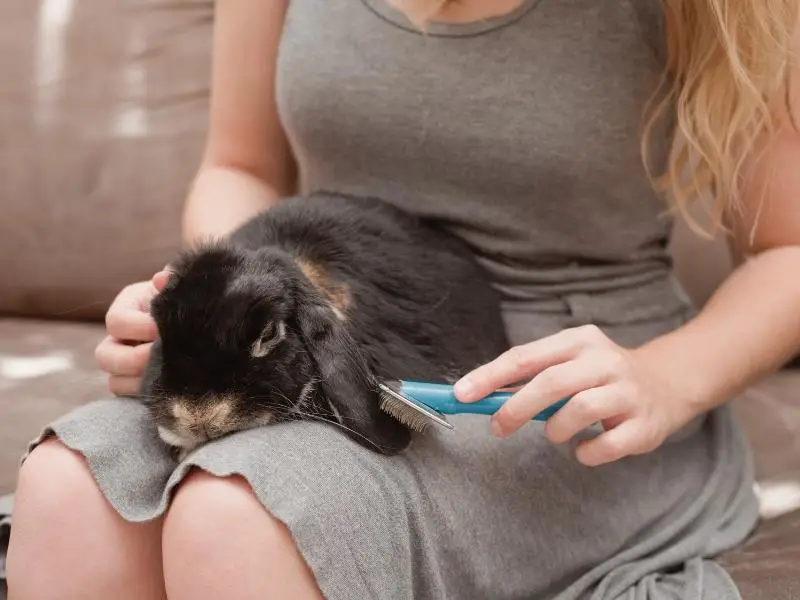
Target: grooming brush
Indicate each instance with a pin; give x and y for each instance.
(416, 404)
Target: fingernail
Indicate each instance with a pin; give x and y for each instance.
(161, 279)
(464, 387)
(497, 430)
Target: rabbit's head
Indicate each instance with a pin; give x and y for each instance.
(246, 339)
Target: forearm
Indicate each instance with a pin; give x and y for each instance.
(748, 329)
(221, 199)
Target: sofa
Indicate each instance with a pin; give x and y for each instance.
(102, 118)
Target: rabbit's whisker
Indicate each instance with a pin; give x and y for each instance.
(342, 426)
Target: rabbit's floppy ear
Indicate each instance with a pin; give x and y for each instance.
(346, 380)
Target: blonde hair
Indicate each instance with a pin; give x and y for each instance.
(725, 88)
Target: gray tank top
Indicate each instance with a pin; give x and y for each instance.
(520, 134)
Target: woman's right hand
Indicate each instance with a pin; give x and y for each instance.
(124, 353)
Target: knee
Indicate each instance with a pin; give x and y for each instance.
(54, 481)
(54, 498)
(215, 521)
(208, 510)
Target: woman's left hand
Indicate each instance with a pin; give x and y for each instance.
(639, 403)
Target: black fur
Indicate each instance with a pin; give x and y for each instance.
(417, 306)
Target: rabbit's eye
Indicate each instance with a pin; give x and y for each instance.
(270, 337)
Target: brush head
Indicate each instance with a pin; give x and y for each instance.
(408, 411)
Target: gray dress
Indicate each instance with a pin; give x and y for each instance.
(520, 134)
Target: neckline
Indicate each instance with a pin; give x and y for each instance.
(389, 13)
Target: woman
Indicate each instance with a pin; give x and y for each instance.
(516, 124)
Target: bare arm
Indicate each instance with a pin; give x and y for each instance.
(751, 325)
(246, 167)
(247, 163)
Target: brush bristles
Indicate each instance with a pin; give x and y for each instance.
(403, 413)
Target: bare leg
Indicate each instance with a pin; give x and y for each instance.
(68, 543)
(219, 542)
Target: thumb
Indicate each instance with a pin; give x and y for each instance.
(160, 280)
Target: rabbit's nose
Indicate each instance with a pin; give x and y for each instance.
(208, 419)
(203, 432)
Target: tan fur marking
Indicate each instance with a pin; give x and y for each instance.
(215, 414)
(336, 293)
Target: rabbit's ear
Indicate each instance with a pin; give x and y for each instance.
(346, 380)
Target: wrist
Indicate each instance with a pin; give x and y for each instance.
(693, 378)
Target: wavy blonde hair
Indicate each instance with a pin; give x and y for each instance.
(725, 91)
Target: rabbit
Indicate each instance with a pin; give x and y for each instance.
(301, 310)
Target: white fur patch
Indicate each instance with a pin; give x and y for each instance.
(305, 394)
(173, 439)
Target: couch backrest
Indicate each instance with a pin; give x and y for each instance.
(102, 118)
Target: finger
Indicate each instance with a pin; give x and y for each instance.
(606, 403)
(161, 279)
(122, 360)
(145, 296)
(131, 324)
(629, 438)
(124, 386)
(135, 297)
(555, 383)
(523, 362)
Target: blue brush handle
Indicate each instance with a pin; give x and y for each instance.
(441, 397)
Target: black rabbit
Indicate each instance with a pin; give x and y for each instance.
(302, 308)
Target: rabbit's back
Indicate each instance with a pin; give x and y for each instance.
(411, 295)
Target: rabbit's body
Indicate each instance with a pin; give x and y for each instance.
(305, 305)
(412, 297)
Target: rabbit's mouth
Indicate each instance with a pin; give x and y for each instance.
(189, 425)
(185, 424)
(186, 441)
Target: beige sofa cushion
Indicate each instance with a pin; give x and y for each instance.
(102, 118)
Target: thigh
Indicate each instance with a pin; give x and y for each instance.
(460, 514)
(60, 514)
(522, 518)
